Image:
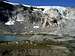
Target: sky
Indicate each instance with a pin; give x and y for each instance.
(68, 3)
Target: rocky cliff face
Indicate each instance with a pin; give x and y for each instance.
(54, 20)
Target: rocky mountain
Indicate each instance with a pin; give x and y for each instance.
(50, 19)
(22, 18)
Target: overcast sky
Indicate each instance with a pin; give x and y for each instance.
(70, 3)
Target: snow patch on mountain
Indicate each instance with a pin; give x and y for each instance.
(11, 3)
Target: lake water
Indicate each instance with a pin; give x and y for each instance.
(7, 37)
